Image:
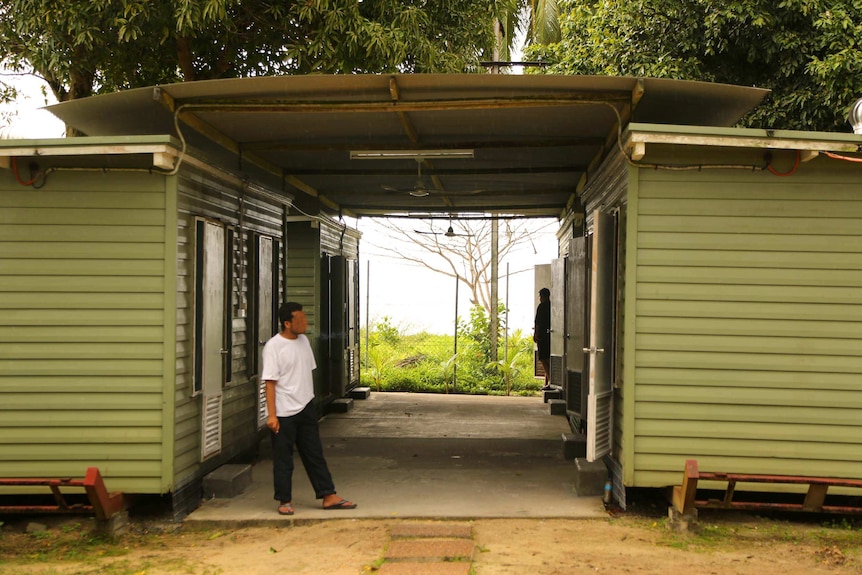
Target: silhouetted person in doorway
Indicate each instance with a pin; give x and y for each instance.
(542, 334)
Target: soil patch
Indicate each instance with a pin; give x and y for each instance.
(643, 544)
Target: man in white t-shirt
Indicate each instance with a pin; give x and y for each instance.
(292, 417)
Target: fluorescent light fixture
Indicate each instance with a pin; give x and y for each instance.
(408, 154)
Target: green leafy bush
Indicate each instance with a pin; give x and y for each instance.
(427, 363)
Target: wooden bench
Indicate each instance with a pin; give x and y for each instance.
(103, 504)
(685, 498)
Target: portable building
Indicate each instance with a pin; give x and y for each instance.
(710, 305)
(713, 282)
(136, 294)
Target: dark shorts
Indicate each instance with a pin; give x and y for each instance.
(544, 346)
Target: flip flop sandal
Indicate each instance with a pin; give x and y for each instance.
(285, 509)
(343, 504)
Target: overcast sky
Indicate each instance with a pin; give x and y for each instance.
(418, 299)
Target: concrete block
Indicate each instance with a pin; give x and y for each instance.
(34, 527)
(682, 522)
(340, 405)
(550, 394)
(227, 481)
(573, 446)
(590, 478)
(359, 393)
(557, 407)
(115, 525)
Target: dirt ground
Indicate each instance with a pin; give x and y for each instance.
(723, 544)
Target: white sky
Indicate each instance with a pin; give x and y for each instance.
(28, 120)
(417, 299)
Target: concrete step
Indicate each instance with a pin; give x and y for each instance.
(425, 568)
(430, 550)
(340, 405)
(227, 481)
(415, 530)
(573, 445)
(499, 449)
(590, 478)
(359, 393)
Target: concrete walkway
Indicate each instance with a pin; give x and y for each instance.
(404, 455)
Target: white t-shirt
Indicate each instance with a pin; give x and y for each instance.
(289, 362)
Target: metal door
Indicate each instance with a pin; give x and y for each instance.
(211, 309)
(600, 398)
(265, 319)
(576, 291)
(558, 320)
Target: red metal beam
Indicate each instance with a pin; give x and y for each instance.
(103, 504)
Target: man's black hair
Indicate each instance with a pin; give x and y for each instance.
(285, 312)
(545, 292)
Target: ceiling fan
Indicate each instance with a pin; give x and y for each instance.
(449, 233)
(420, 190)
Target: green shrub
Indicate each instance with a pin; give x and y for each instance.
(426, 363)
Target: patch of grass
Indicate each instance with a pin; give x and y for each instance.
(728, 534)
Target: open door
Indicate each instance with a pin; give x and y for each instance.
(209, 331)
(576, 294)
(600, 350)
(558, 321)
(265, 316)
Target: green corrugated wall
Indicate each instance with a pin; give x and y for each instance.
(748, 339)
(82, 327)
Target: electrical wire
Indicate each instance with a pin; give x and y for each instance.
(791, 171)
(840, 157)
(18, 176)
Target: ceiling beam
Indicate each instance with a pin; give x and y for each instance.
(410, 130)
(439, 171)
(299, 146)
(537, 210)
(249, 107)
(204, 128)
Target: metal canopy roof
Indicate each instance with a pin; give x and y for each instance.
(532, 137)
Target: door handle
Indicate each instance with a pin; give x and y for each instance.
(594, 350)
(223, 351)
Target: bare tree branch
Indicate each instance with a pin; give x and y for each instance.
(465, 253)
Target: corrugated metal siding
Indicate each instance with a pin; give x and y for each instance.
(205, 196)
(82, 327)
(306, 243)
(303, 269)
(337, 241)
(749, 322)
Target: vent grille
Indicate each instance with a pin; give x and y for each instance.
(557, 370)
(261, 404)
(211, 439)
(575, 394)
(352, 367)
(599, 425)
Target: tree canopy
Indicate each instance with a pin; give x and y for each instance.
(84, 47)
(808, 52)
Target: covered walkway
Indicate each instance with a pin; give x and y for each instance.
(404, 455)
